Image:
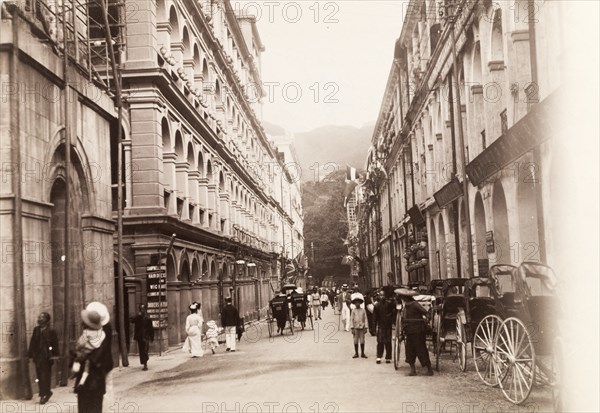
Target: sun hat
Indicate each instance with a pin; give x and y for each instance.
(92, 319)
(101, 309)
(299, 290)
(406, 292)
(357, 297)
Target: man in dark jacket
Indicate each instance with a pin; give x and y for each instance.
(383, 320)
(414, 327)
(143, 334)
(230, 319)
(43, 349)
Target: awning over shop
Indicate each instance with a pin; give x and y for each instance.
(416, 217)
(448, 193)
(526, 134)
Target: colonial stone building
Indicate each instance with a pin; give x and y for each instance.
(199, 165)
(55, 215)
(209, 208)
(414, 218)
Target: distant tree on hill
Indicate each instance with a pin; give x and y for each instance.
(326, 226)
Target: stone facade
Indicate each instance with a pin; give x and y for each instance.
(200, 164)
(35, 109)
(508, 95)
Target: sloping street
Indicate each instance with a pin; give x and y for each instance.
(308, 372)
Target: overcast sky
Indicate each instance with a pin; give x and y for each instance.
(326, 62)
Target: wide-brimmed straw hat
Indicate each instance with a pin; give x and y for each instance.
(92, 319)
(406, 292)
(357, 297)
(101, 309)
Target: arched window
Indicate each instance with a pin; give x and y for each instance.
(497, 44)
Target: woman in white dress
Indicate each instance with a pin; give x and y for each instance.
(193, 328)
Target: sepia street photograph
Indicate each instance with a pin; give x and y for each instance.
(299, 206)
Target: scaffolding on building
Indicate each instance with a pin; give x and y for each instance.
(89, 36)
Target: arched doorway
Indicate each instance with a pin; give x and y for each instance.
(173, 302)
(502, 253)
(185, 296)
(528, 222)
(434, 253)
(57, 238)
(464, 246)
(442, 248)
(480, 229)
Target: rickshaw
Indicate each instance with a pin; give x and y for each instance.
(299, 303)
(524, 343)
(436, 288)
(502, 287)
(480, 301)
(446, 318)
(428, 302)
(281, 306)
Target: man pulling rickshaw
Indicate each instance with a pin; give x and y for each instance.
(415, 328)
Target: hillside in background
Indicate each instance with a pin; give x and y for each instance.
(325, 227)
(328, 148)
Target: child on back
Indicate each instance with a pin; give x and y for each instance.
(358, 324)
(91, 339)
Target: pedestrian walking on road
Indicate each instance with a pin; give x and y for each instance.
(143, 333)
(383, 319)
(230, 319)
(324, 299)
(43, 350)
(212, 335)
(90, 392)
(193, 328)
(345, 302)
(91, 339)
(358, 324)
(415, 331)
(316, 304)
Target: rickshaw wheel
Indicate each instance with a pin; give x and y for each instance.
(514, 348)
(438, 346)
(434, 332)
(483, 349)
(397, 351)
(270, 323)
(291, 321)
(461, 345)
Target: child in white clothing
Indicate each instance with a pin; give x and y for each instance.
(212, 335)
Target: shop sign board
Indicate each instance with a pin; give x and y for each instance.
(489, 242)
(156, 293)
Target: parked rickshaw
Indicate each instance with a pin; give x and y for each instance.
(480, 301)
(502, 289)
(436, 288)
(524, 342)
(445, 319)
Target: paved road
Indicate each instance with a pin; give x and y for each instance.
(311, 371)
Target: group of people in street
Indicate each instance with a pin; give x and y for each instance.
(91, 357)
(194, 326)
(379, 317)
(90, 360)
